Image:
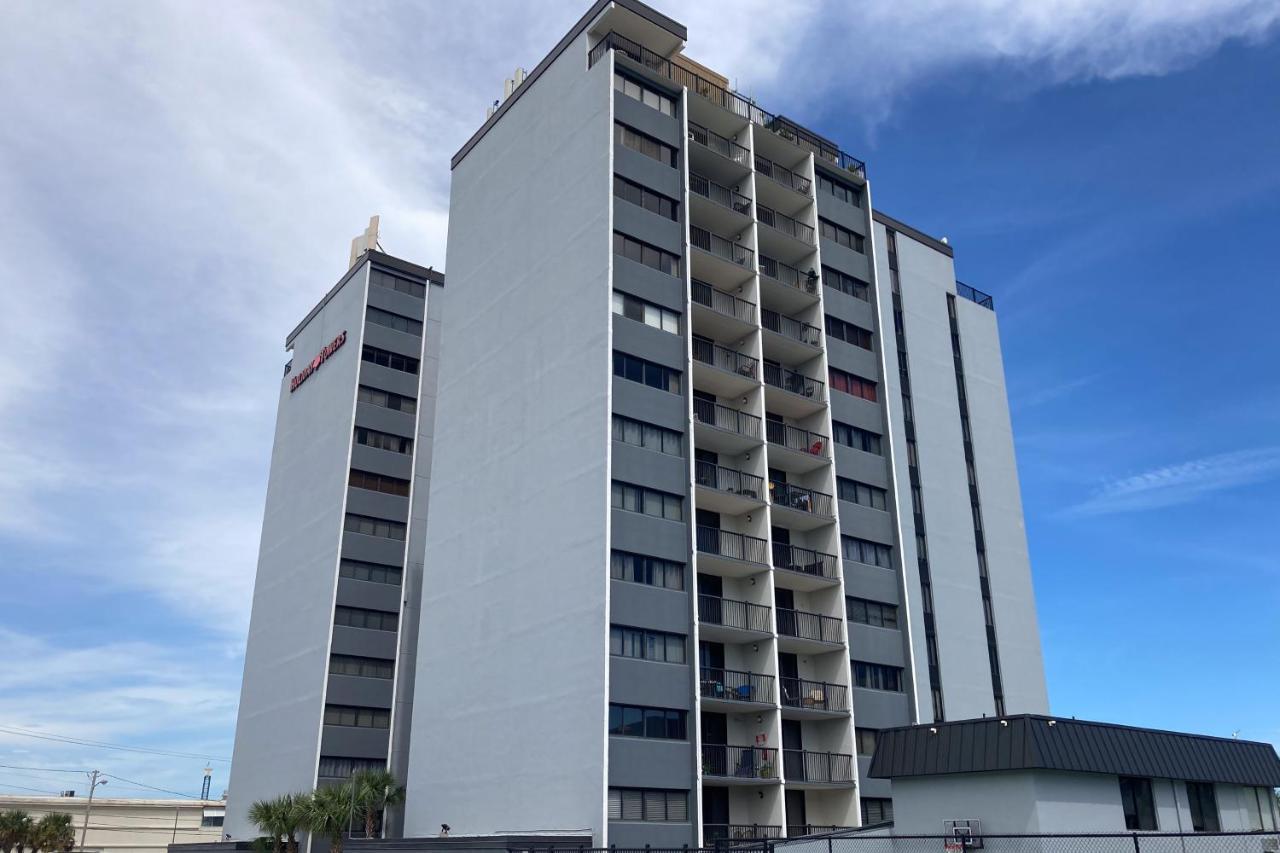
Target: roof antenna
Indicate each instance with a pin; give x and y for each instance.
(366, 242)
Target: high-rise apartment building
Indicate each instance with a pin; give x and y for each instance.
(329, 667)
(724, 478)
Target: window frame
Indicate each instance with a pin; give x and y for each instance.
(1137, 792)
(624, 639)
(633, 368)
(628, 567)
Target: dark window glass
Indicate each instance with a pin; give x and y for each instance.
(877, 676)
(650, 256)
(387, 400)
(858, 439)
(649, 436)
(374, 527)
(646, 372)
(650, 571)
(332, 767)
(648, 804)
(383, 440)
(844, 192)
(379, 483)
(876, 810)
(1139, 807)
(648, 501)
(866, 741)
(862, 551)
(861, 493)
(373, 572)
(393, 360)
(848, 332)
(351, 715)
(644, 144)
(1204, 807)
(359, 617)
(846, 284)
(361, 666)
(393, 321)
(642, 196)
(645, 94)
(379, 278)
(867, 612)
(841, 235)
(658, 723)
(646, 645)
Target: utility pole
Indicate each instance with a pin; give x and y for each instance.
(94, 781)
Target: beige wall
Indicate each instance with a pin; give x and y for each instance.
(127, 826)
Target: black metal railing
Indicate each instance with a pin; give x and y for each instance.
(797, 330)
(777, 172)
(701, 238)
(739, 762)
(731, 613)
(814, 695)
(810, 626)
(795, 438)
(736, 685)
(709, 352)
(793, 381)
(722, 145)
(975, 295)
(731, 101)
(787, 225)
(723, 417)
(801, 830)
(789, 275)
(805, 561)
(735, 546)
(723, 303)
(718, 833)
(729, 480)
(801, 499)
(801, 765)
(719, 193)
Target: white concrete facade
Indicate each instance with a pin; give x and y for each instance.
(119, 825)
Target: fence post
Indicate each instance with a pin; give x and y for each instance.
(828, 844)
(1136, 847)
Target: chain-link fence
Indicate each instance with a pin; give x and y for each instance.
(884, 841)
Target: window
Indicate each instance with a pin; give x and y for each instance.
(648, 804)
(374, 526)
(646, 372)
(361, 667)
(876, 810)
(873, 613)
(862, 551)
(877, 676)
(379, 278)
(861, 493)
(851, 383)
(352, 715)
(841, 235)
(334, 767)
(644, 144)
(379, 483)
(647, 501)
(848, 332)
(393, 321)
(383, 440)
(646, 645)
(844, 192)
(635, 721)
(646, 312)
(651, 571)
(359, 617)
(649, 97)
(846, 284)
(855, 437)
(393, 360)
(866, 741)
(650, 256)
(212, 818)
(644, 197)
(359, 570)
(387, 400)
(646, 435)
(1139, 807)
(1204, 807)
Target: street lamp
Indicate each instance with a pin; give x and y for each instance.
(95, 779)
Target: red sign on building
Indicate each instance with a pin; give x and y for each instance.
(305, 373)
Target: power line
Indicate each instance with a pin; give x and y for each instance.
(41, 769)
(25, 788)
(103, 745)
(151, 787)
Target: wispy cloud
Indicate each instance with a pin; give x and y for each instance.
(1184, 482)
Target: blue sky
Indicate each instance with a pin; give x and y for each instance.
(179, 184)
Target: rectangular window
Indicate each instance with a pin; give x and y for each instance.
(647, 501)
(352, 715)
(360, 617)
(650, 571)
(646, 372)
(877, 676)
(645, 144)
(873, 613)
(335, 767)
(644, 197)
(876, 810)
(647, 435)
(641, 311)
(1139, 807)
(844, 192)
(387, 400)
(379, 483)
(646, 95)
(861, 493)
(393, 321)
(637, 721)
(374, 527)
(843, 330)
(1204, 807)
(846, 284)
(639, 643)
(841, 235)
(361, 667)
(648, 804)
(651, 256)
(360, 570)
(383, 440)
(862, 551)
(851, 383)
(379, 278)
(393, 360)
(866, 741)
(855, 437)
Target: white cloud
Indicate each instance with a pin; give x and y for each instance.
(1183, 482)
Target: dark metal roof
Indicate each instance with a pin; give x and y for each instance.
(1031, 742)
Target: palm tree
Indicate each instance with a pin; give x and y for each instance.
(54, 834)
(376, 791)
(328, 813)
(15, 830)
(293, 818)
(268, 816)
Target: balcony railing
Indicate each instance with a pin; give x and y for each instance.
(814, 695)
(723, 303)
(783, 175)
(739, 762)
(730, 613)
(789, 275)
(801, 499)
(790, 380)
(731, 101)
(709, 352)
(735, 685)
(804, 561)
(722, 145)
(795, 438)
(798, 831)
(729, 480)
(801, 765)
(975, 295)
(701, 238)
(797, 330)
(787, 225)
(719, 193)
(810, 626)
(723, 417)
(735, 546)
(719, 832)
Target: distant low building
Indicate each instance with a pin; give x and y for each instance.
(130, 826)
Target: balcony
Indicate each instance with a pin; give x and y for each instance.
(800, 508)
(813, 630)
(714, 833)
(739, 763)
(794, 449)
(801, 830)
(730, 490)
(817, 769)
(727, 618)
(721, 315)
(728, 553)
(790, 226)
(820, 698)
(975, 295)
(732, 372)
(804, 568)
(725, 259)
(719, 194)
(793, 341)
(722, 429)
(717, 144)
(788, 289)
(734, 687)
(801, 395)
(782, 175)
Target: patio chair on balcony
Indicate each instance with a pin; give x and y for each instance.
(743, 692)
(816, 699)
